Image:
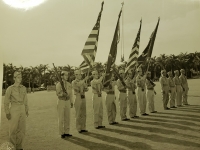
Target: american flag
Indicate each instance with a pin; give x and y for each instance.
(90, 48)
(132, 61)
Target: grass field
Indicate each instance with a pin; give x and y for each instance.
(177, 129)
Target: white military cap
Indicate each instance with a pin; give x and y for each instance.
(169, 73)
(182, 70)
(176, 71)
(139, 69)
(162, 71)
(17, 73)
(77, 71)
(121, 71)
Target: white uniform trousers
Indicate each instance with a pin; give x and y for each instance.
(185, 96)
(111, 107)
(98, 110)
(17, 125)
(165, 98)
(150, 100)
(63, 108)
(132, 102)
(141, 97)
(172, 96)
(179, 92)
(80, 108)
(123, 105)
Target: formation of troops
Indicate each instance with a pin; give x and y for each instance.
(138, 88)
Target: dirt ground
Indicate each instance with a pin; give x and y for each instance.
(175, 129)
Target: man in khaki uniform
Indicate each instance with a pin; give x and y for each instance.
(80, 88)
(16, 95)
(63, 105)
(132, 101)
(178, 88)
(110, 101)
(184, 84)
(150, 93)
(164, 89)
(97, 86)
(141, 92)
(172, 90)
(122, 97)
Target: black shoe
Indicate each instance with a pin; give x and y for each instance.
(84, 130)
(133, 117)
(154, 112)
(115, 122)
(63, 136)
(111, 123)
(145, 114)
(136, 116)
(167, 108)
(126, 119)
(97, 127)
(173, 107)
(101, 127)
(186, 104)
(68, 135)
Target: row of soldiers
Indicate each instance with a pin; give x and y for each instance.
(139, 88)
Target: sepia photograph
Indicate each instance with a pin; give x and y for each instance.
(100, 74)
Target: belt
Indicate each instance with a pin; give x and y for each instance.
(64, 98)
(123, 91)
(150, 89)
(111, 92)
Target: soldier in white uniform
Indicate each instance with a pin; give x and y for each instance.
(63, 105)
(150, 93)
(141, 91)
(164, 89)
(184, 83)
(80, 88)
(97, 86)
(122, 97)
(110, 101)
(132, 100)
(172, 90)
(178, 88)
(16, 95)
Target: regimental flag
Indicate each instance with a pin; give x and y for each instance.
(113, 52)
(146, 54)
(132, 61)
(90, 48)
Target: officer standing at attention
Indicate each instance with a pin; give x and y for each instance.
(150, 93)
(132, 100)
(172, 90)
(178, 88)
(80, 88)
(122, 97)
(184, 83)
(16, 95)
(110, 101)
(141, 92)
(63, 105)
(97, 86)
(164, 89)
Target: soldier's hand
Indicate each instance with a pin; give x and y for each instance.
(27, 114)
(169, 91)
(8, 116)
(183, 89)
(71, 105)
(65, 94)
(155, 92)
(163, 92)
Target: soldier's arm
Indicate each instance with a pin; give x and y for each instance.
(119, 85)
(7, 100)
(58, 89)
(161, 83)
(26, 102)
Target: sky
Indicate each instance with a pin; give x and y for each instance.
(56, 31)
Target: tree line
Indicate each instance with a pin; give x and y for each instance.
(44, 74)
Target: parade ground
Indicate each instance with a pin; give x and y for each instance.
(175, 129)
